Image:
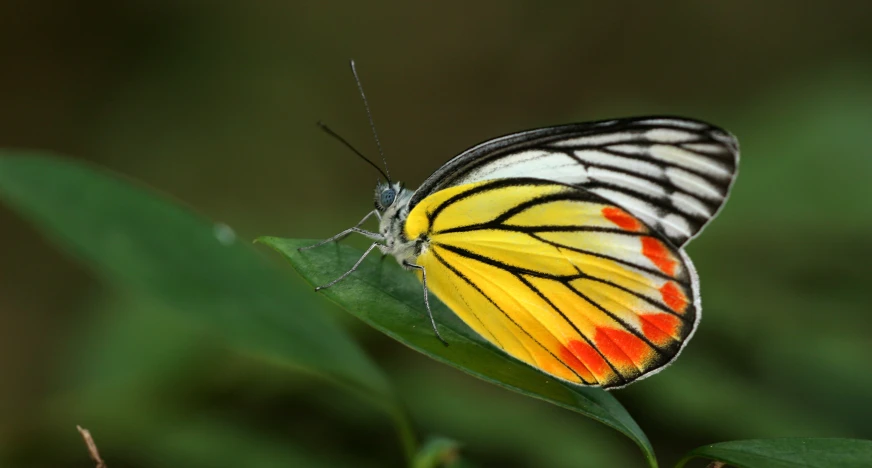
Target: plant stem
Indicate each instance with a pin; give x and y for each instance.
(403, 425)
(92, 447)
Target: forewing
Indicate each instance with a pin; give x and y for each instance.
(558, 277)
(672, 173)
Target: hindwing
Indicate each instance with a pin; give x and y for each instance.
(558, 277)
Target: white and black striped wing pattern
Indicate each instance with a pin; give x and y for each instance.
(673, 173)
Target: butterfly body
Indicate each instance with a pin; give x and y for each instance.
(562, 246)
(392, 217)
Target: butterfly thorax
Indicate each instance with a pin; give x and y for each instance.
(392, 204)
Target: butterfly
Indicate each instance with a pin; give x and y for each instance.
(564, 246)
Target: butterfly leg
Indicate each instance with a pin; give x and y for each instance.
(345, 275)
(356, 228)
(427, 299)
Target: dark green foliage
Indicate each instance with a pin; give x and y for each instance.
(788, 453)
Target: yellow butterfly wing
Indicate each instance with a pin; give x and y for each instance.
(558, 277)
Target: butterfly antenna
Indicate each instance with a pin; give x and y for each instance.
(371, 122)
(330, 132)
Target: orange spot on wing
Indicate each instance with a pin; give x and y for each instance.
(673, 297)
(571, 360)
(620, 347)
(589, 357)
(623, 219)
(659, 255)
(660, 328)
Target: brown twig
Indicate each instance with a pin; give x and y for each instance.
(92, 447)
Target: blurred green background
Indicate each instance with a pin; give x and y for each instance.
(214, 103)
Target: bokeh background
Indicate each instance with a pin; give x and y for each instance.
(214, 103)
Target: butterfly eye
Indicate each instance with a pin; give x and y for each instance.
(387, 197)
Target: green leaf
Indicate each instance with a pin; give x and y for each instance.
(148, 244)
(788, 453)
(438, 452)
(390, 299)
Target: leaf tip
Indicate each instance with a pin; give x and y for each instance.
(262, 240)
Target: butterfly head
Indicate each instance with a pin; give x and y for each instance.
(386, 194)
(392, 207)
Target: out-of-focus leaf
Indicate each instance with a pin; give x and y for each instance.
(497, 426)
(390, 299)
(439, 452)
(142, 241)
(213, 443)
(788, 453)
